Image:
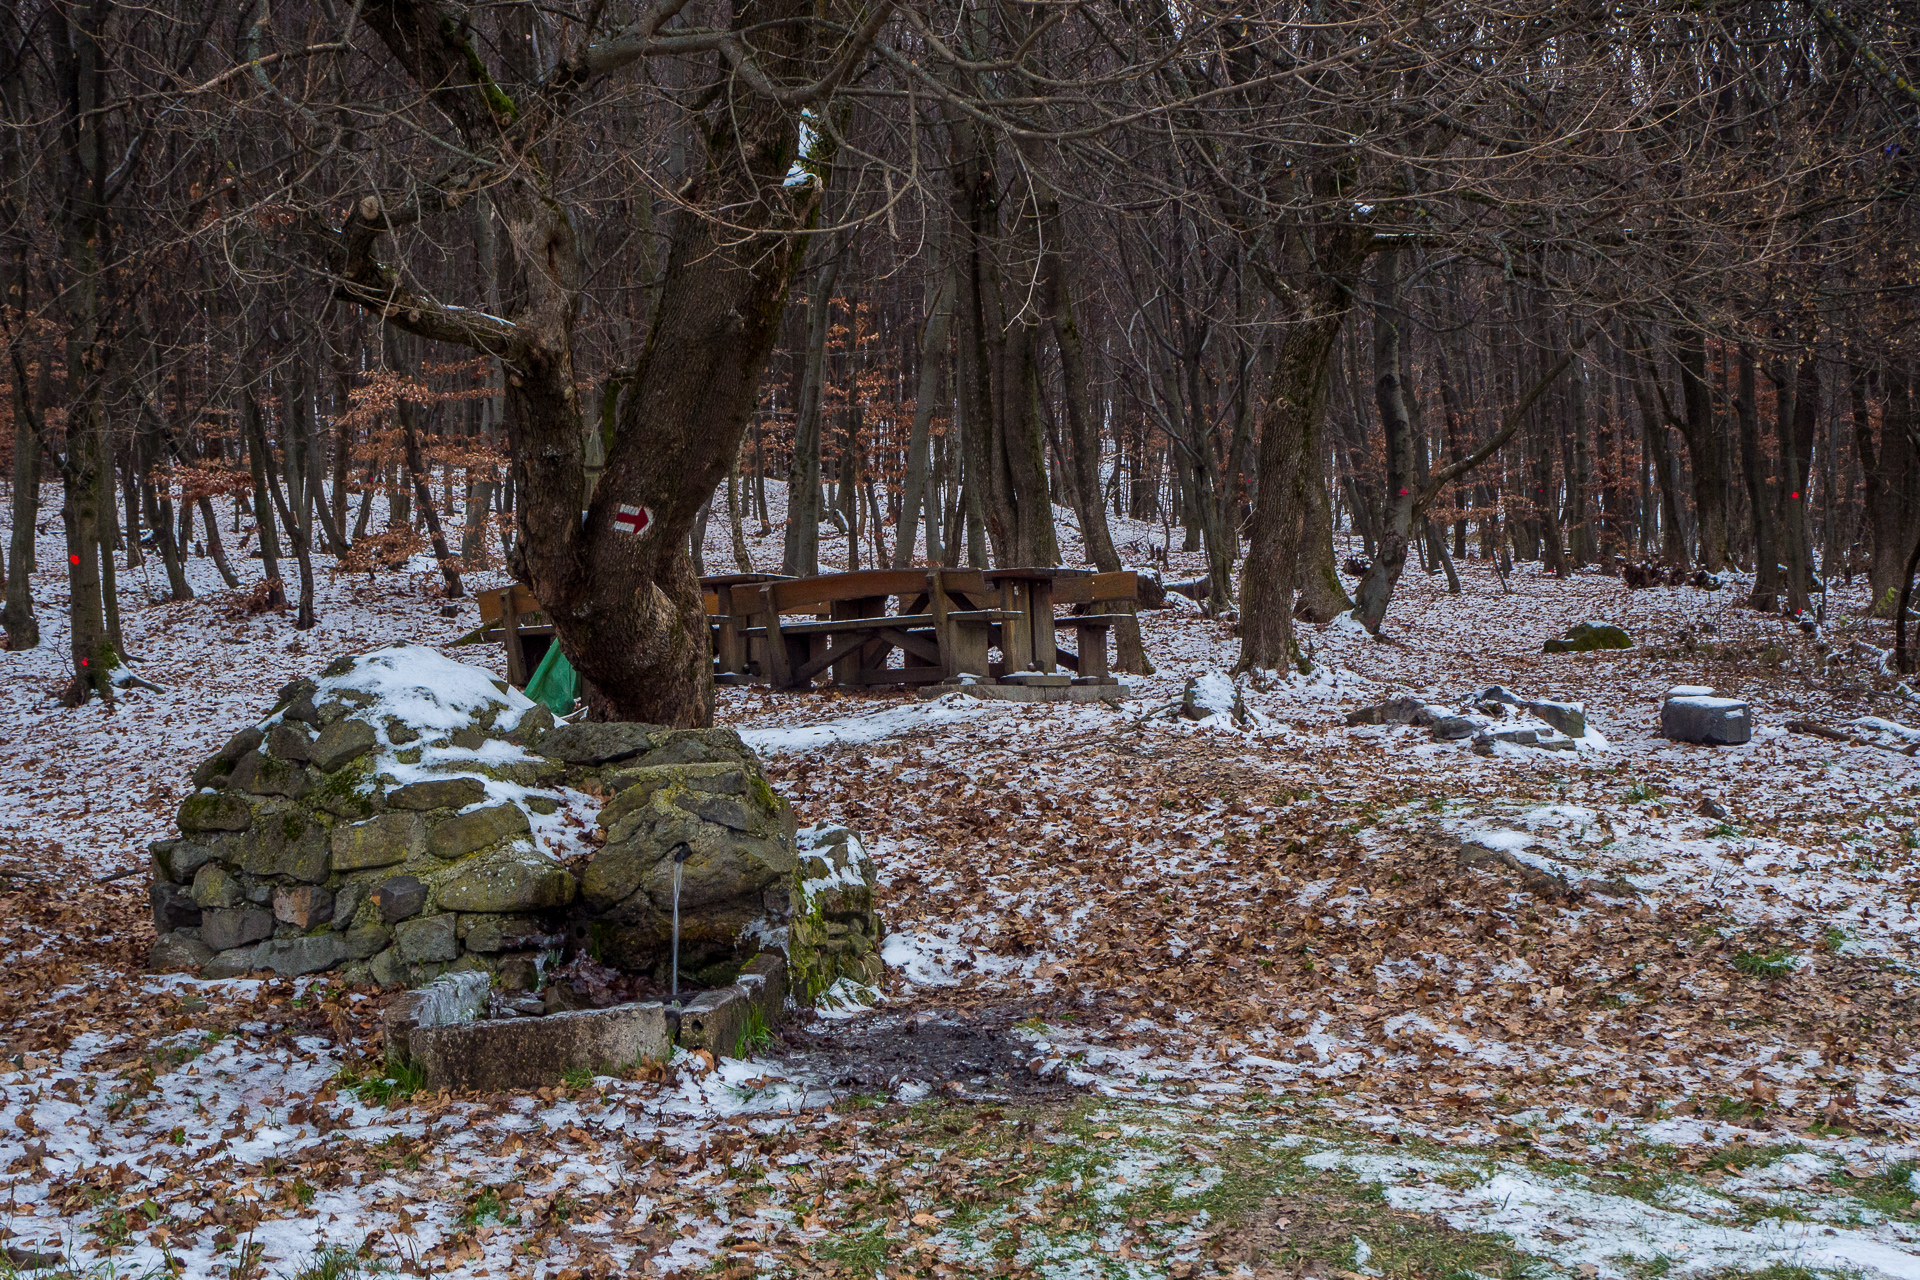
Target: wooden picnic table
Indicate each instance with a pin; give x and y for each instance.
(945, 626)
(790, 631)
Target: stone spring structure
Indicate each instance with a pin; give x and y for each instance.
(402, 817)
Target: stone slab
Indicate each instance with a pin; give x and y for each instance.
(717, 1020)
(452, 999)
(504, 1054)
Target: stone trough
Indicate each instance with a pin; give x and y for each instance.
(443, 1029)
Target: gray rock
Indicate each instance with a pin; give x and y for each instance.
(367, 940)
(288, 842)
(173, 907)
(718, 745)
(1405, 709)
(1456, 728)
(213, 811)
(597, 743)
(213, 887)
(289, 741)
(346, 902)
(400, 898)
(378, 842)
(426, 939)
(223, 930)
(262, 775)
(290, 956)
(388, 969)
(304, 907)
(1498, 693)
(341, 742)
(535, 720)
(1569, 718)
(496, 1055)
(516, 878)
(175, 953)
(1585, 637)
(234, 963)
(1706, 721)
(493, 933)
(461, 835)
(438, 793)
(177, 860)
(221, 763)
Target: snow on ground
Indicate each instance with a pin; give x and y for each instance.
(1686, 1047)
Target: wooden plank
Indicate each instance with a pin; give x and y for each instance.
(919, 644)
(825, 658)
(1016, 633)
(800, 595)
(1092, 638)
(1093, 587)
(916, 621)
(492, 603)
(517, 672)
(1039, 618)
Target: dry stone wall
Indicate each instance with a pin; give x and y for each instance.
(403, 816)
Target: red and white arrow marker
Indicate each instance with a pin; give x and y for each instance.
(634, 520)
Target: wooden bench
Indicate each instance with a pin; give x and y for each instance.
(1089, 659)
(947, 623)
(513, 616)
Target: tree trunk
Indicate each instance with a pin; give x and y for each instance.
(1766, 575)
(417, 472)
(1296, 401)
(742, 562)
(802, 559)
(1796, 455)
(934, 334)
(262, 504)
(1706, 449)
(1891, 479)
(1376, 589)
(1057, 298)
(23, 628)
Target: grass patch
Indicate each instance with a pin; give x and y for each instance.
(1769, 964)
(1890, 1193)
(755, 1036)
(1739, 1156)
(399, 1082)
(335, 1262)
(1057, 1188)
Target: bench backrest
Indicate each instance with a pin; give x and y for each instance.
(1124, 585)
(492, 609)
(803, 595)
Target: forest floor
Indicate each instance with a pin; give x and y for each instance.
(1164, 998)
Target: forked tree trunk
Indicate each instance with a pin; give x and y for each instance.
(1296, 401)
(618, 582)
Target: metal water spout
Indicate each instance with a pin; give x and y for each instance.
(681, 852)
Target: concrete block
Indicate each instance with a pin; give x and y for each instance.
(1708, 721)
(525, 1053)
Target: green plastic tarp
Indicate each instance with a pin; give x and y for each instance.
(555, 684)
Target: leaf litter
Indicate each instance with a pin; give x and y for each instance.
(1165, 998)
